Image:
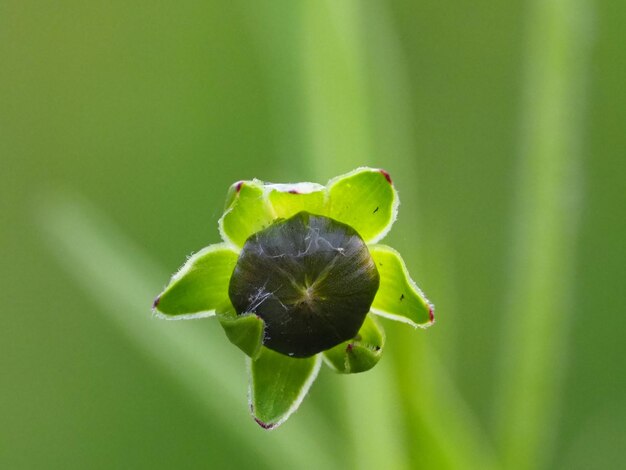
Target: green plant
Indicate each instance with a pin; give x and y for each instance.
(299, 279)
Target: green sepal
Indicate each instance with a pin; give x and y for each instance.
(278, 384)
(361, 353)
(289, 199)
(200, 286)
(247, 212)
(244, 331)
(366, 200)
(398, 297)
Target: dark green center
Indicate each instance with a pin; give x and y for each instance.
(310, 278)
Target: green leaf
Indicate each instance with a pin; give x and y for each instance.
(366, 200)
(247, 212)
(361, 353)
(200, 286)
(398, 297)
(289, 199)
(244, 331)
(278, 384)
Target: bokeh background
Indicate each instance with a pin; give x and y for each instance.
(122, 124)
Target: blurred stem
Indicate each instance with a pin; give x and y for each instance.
(343, 135)
(533, 349)
(335, 87)
(439, 411)
(337, 111)
(275, 27)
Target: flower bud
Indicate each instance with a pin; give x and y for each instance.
(310, 278)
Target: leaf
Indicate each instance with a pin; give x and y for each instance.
(247, 212)
(278, 384)
(398, 297)
(366, 200)
(289, 199)
(200, 286)
(244, 331)
(361, 353)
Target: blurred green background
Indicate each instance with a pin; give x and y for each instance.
(122, 124)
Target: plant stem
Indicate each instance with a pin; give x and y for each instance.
(539, 309)
(335, 91)
(343, 89)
